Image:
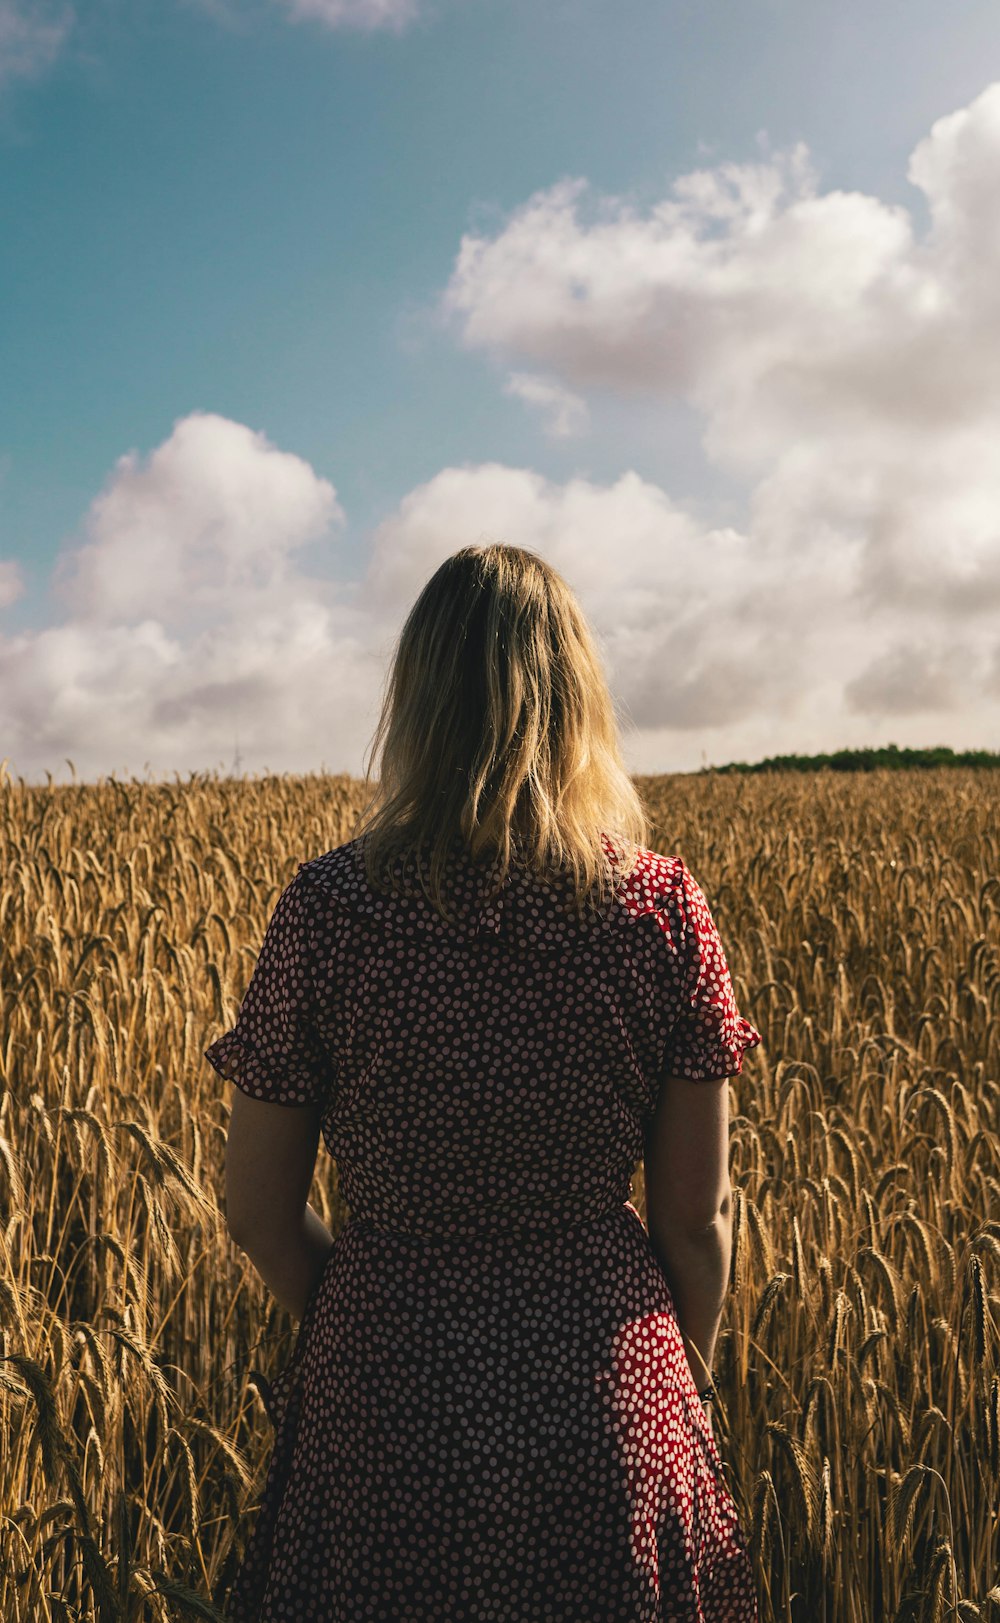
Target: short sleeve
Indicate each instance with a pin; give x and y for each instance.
(274, 1051)
(710, 1036)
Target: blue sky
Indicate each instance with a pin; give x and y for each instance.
(248, 221)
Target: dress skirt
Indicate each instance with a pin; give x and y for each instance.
(501, 1428)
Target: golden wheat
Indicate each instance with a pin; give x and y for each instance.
(858, 1358)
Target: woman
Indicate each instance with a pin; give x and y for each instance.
(492, 1002)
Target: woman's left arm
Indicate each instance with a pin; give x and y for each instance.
(270, 1161)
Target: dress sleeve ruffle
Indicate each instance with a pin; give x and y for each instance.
(274, 1051)
(708, 1040)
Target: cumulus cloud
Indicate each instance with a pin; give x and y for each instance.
(784, 315)
(31, 37)
(214, 512)
(563, 413)
(364, 16)
(661, 591)
(705, 638)
(188, 617)
(746, 293)
(841, 365)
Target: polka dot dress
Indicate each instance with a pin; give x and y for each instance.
(488, 1414)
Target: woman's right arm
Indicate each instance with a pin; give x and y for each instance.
(689, 1207)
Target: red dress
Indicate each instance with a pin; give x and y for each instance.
(488, 1415)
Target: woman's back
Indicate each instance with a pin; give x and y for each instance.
(489, 1413)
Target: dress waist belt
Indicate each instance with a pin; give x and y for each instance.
(515, 1216)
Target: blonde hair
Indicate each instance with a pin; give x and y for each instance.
(498, 736)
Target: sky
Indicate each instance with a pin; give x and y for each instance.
(699, 302)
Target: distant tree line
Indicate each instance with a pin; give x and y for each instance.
(865, 760)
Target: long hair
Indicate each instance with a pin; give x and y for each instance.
(498, 737)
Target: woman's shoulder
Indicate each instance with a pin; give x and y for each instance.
(340, 874)
(647, 887)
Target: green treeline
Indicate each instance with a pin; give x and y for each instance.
(865, 760)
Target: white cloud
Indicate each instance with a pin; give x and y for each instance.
(187, 616)
(841, 366)
(215, 511)
(563, 412)
(662, 593)
(777, 311)
(845, 367)
(707, 635)
(366, 16)
(31, 36)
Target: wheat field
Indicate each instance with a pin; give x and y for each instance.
(858, 1356)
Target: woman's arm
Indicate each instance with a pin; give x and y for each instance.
(270, 1160)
